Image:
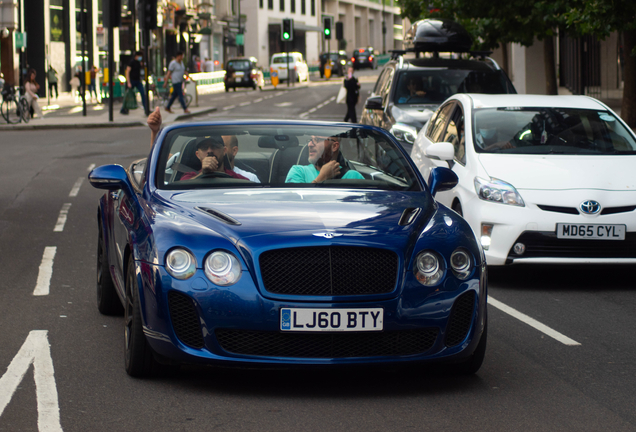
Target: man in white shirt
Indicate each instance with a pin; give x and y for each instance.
(231, 144)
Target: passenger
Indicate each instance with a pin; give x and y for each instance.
(325, 162)
(154, 123)
(231, 147)
(211, 152)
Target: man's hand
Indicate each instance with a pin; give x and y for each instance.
(328, 171)
(154, 120)
(209, 164)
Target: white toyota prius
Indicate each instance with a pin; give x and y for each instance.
(542, 179)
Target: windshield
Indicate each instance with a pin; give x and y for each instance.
(550, 131)
(239, 64)
(249, 156)
(434, 86)
(283, 59)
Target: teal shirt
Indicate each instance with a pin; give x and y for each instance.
(308, 173)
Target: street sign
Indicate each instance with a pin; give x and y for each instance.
(20, 40)
(240, 39)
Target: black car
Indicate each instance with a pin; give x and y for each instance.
(243, 72)
(364, 58)
(339, 61)
(413, 85)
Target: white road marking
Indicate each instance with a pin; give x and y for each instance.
(229, 107)
(37, 351)
(91, 167)
(245, 104)
(258, 100)
(317, 107)
(61, 219)
(76, 187)
(284, 104)
(532, 322)
(43, 283)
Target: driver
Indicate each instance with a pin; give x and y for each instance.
(415, 89)
(325, 162)
(211, 152)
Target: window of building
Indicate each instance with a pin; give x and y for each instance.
(303, 7)
(260, 3)
(270, 4)
(293, 6)
(313, 7)
(282, 5)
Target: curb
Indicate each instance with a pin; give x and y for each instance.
(31, 126)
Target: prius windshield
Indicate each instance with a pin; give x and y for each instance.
(265, 155)
(533, 130)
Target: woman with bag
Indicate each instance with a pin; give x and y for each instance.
(353, 93)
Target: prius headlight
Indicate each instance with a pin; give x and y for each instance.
(180, 263)
(428, 268)
(222, 268)
(496, 190)
(404, 132)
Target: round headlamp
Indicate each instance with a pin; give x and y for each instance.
(428, 268)
(180, 263)
(222, 268)
(461, 263)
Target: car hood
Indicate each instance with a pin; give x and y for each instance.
(562, 172)
(259, 218)
(414, 115)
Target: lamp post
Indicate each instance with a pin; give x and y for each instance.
(383, 29)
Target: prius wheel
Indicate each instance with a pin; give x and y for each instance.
(140, 361)
(457, 207)
(474, 362)
(108, 302)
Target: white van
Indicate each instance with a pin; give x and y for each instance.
(296, 62)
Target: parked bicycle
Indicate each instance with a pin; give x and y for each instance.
(15, 107)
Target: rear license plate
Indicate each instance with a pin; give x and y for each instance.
(589, 231)
(317, 320)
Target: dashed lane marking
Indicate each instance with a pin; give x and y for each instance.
(61, 219)
(76, 187)
(42, 286)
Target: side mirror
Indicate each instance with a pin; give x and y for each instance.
(110, 177)
(440, 151)
(442, 179)
(374, 103)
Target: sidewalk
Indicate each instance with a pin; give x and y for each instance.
(67, 113)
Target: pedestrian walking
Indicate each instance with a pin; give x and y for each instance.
(92, 87)
(133, 80)
(353, 94)
(176, 70)
(51, 75)
(75, 84)
(31, 88)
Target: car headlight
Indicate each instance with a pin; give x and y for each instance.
(180, 263)
(404, 132)
(222, 268)
(428, 268)
(461, 264)
(498, 191)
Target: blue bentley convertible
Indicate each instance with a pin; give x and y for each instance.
(286, 243)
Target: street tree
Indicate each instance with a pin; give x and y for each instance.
(600, 18)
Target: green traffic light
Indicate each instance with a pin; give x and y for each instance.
(285, 35)
(327, 31)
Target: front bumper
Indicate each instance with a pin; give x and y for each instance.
(194, 321)
(535, 228)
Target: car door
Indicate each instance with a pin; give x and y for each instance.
(435, 130)
(455, 134)
(374, 116)
(387, 119)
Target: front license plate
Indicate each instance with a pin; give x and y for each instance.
(588, 231)
(317, 320)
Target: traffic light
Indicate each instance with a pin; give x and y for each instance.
(148, 14)
(287, 33)
(339, 30)
(326, 25)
